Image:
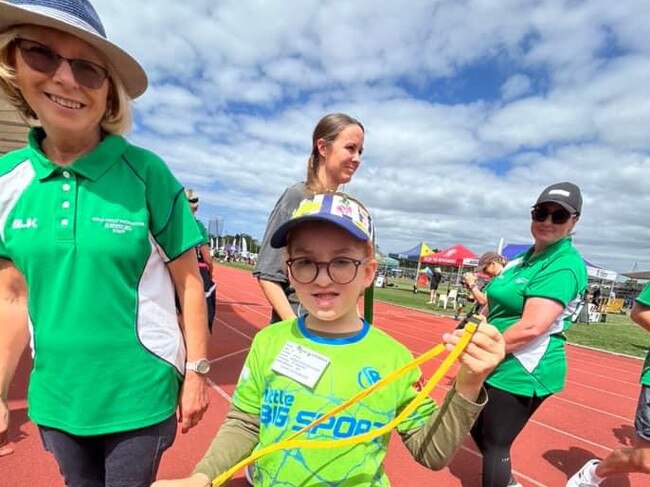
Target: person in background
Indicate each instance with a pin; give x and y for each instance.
(434, 281)
(337, 145)
(330, 257)
(205, 260)
(491, 264)
(102, 236)
(637, 457)
(597, 299)
(531, 302)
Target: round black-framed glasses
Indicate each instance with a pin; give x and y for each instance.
(341, 270)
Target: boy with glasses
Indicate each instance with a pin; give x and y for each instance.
(330, 259)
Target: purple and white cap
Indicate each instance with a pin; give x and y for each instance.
(336, 208)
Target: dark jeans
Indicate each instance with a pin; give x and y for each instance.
(496, 428)
(128, 459)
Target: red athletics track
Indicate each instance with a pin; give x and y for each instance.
(593, 415)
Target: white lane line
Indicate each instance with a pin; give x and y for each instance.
(219, 391)
(228, 355)
(245, 335)
(575, 437)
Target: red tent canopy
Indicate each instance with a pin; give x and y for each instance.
(453, 256)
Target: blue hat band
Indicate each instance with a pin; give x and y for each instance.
(79, 13)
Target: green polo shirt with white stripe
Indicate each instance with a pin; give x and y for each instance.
(644, 300)
(557, 273)
(92, 240)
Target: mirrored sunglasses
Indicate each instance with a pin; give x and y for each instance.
(558, 217)
(44, 60)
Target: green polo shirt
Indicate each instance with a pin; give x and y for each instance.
(644, 299)
(204, 232)
(92, 240)
(557, 273)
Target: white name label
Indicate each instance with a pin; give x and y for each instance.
(300, 364)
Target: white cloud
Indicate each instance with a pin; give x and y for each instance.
(237, 86)
(515, 86)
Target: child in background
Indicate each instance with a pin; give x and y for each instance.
(331, 261)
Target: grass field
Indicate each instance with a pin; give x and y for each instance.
(618, 334)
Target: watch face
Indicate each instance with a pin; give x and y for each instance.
(203, 366)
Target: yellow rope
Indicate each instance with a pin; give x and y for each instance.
(291, 442)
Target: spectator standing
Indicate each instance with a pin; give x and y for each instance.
(337, 145)
(434, 282)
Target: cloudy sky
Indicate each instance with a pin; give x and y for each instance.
(471, 108)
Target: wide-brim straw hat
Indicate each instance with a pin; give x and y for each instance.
(78, 18)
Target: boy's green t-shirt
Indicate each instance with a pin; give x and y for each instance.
(285, 406)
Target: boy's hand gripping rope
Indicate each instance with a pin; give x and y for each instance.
(440, 372)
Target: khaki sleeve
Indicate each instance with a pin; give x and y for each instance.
(435, 444)
(235, 440)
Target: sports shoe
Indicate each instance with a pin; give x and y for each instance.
(586, 476)
(514, 483)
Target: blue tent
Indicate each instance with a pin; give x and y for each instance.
(410, 254)
(510, 251)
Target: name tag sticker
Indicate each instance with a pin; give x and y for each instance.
(300, 364)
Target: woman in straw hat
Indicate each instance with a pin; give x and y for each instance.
(103, 237)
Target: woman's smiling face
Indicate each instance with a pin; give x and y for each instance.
(59, 101)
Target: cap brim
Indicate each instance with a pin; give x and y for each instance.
(563, 204)
(129, 70)
(279, 237)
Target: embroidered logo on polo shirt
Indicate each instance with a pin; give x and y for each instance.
(22, 224)
(117, 225)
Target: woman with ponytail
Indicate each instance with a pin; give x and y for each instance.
(337, 145)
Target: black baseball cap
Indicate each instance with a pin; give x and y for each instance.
(565, 194)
